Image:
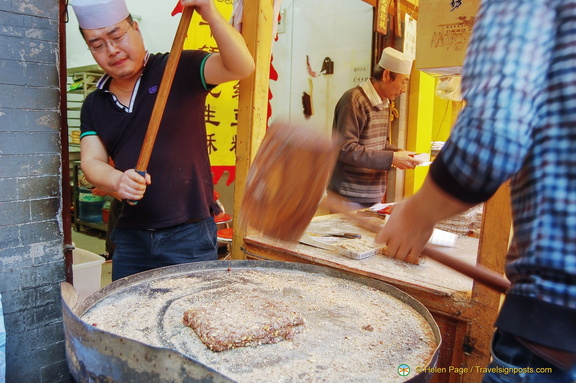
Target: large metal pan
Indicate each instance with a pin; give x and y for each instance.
(96, 354)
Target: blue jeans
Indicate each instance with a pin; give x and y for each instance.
(142, 250)
(518, 364)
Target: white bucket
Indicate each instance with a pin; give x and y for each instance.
(87, 272)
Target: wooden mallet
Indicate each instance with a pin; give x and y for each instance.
(163, 92)
(287, 181)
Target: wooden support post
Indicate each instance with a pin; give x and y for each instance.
(493, 246)
(253, 101)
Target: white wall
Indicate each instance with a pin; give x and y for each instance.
(339, 29)
(158, 28)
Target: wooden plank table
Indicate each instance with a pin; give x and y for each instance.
(447, 294)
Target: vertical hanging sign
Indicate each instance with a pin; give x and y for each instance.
(221, 109)
(382, 17)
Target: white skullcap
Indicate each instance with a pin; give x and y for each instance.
(395, 61)
(94, 14)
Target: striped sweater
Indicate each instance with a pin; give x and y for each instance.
(361, 123)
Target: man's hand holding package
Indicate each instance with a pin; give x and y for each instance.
(404, 160)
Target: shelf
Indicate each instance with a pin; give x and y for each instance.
(80, 83)
(79, 223)
(93, 225)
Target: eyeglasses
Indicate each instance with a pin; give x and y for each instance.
(99, 46)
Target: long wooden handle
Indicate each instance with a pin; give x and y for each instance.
(479, 273)
(164, 90)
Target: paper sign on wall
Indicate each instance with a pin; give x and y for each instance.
(409, 36)
(444, 29)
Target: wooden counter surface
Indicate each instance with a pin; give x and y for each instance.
(430, 278)
(448, 294)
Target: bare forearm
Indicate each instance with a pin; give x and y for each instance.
(233, 60)
(101, 175)
(434, 204)
(412, 222)
(232, 48)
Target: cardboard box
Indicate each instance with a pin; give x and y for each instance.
(86, 271)
(444, 30)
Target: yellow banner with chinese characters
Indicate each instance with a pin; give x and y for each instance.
(221, 112)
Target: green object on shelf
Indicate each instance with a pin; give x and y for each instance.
(75, 85)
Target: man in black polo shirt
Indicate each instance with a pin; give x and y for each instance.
(172, 221)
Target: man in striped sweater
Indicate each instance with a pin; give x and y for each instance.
(361, 121)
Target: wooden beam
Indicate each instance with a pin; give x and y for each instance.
(253, 102)
(493, 246)
(406, 6)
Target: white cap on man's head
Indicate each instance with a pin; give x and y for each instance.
(395, 61)
(94, 14)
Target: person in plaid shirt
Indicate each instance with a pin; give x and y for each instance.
(519, 124)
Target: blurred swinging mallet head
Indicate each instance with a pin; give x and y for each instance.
(287, 180)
